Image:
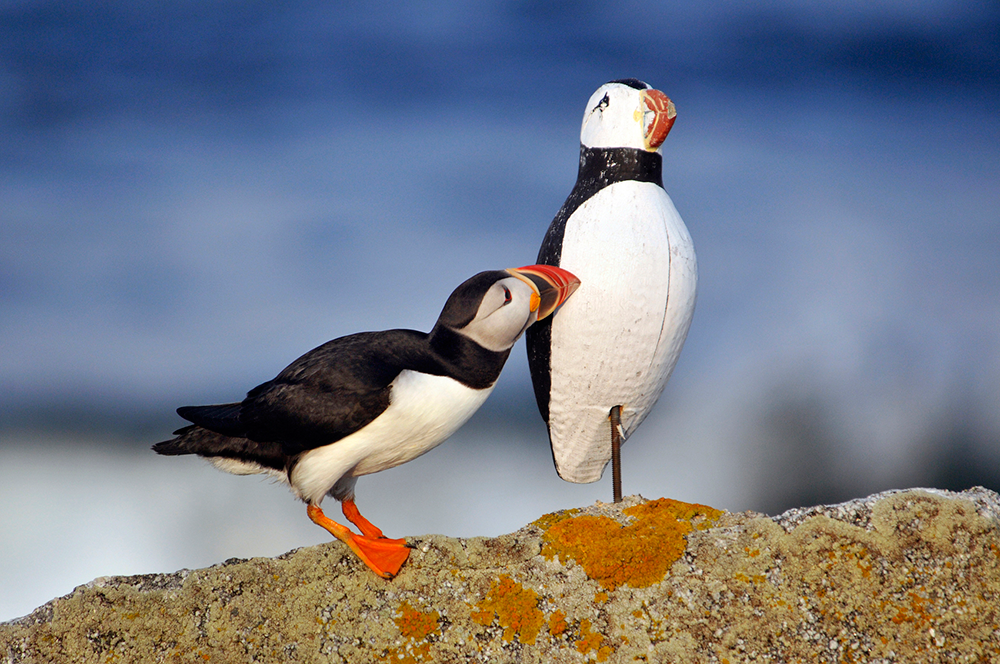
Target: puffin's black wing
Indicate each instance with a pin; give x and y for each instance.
(334, 390)
(327, 394)
(222, 418)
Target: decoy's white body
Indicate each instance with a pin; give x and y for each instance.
(620, 234)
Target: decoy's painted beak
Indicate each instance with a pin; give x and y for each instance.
(658, 115)
(552, 285)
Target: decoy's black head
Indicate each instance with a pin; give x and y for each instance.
(494, 308)
(627, 114)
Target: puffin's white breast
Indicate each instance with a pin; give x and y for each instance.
(616, 341)
(424, 410)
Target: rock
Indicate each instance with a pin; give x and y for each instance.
(901, 576)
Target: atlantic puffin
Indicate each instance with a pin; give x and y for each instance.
(600, 366)
(374, 400)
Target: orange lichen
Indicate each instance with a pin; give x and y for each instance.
(916, 612)
(592, 641)
(414, 624)
(557, 623)
(639, 554)
(515, 607)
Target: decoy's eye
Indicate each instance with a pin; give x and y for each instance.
(506, 295)
(603, 104)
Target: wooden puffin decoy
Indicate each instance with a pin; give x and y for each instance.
(374, 400)
(600, 366)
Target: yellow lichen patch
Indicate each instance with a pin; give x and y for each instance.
(411, 654)
(557, 623)
(753, 578)
(548, 520)
(591, 641)
(639, 554)
(515, 607)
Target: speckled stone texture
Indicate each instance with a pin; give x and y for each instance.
(903, 576)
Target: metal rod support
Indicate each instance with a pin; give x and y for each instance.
(616, 452)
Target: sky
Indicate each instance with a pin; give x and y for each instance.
(194, 194)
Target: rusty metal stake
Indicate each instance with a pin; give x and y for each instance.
(616, 452)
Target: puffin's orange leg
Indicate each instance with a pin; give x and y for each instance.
(364, 525)
(383, 556)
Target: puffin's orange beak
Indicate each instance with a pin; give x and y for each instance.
(552, 285)
(658, 115)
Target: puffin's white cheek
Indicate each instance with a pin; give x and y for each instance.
(522, 322)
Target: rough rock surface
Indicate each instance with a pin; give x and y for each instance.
(906, 576)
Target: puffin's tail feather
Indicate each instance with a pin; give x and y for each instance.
(198, 440)
(194, 439)
(182, 444)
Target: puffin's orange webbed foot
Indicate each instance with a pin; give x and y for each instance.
(383, 556)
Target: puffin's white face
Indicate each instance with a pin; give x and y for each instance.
(508, 308)
(619, 116)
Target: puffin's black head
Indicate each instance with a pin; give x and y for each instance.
(494, 308)
(463, 303)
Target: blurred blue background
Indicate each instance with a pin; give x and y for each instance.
(193, 194)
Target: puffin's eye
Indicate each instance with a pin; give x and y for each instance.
(506, 295)
(603, 104)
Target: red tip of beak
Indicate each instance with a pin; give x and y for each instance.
(664, 114)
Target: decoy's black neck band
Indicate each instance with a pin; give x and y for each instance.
(600, 167)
